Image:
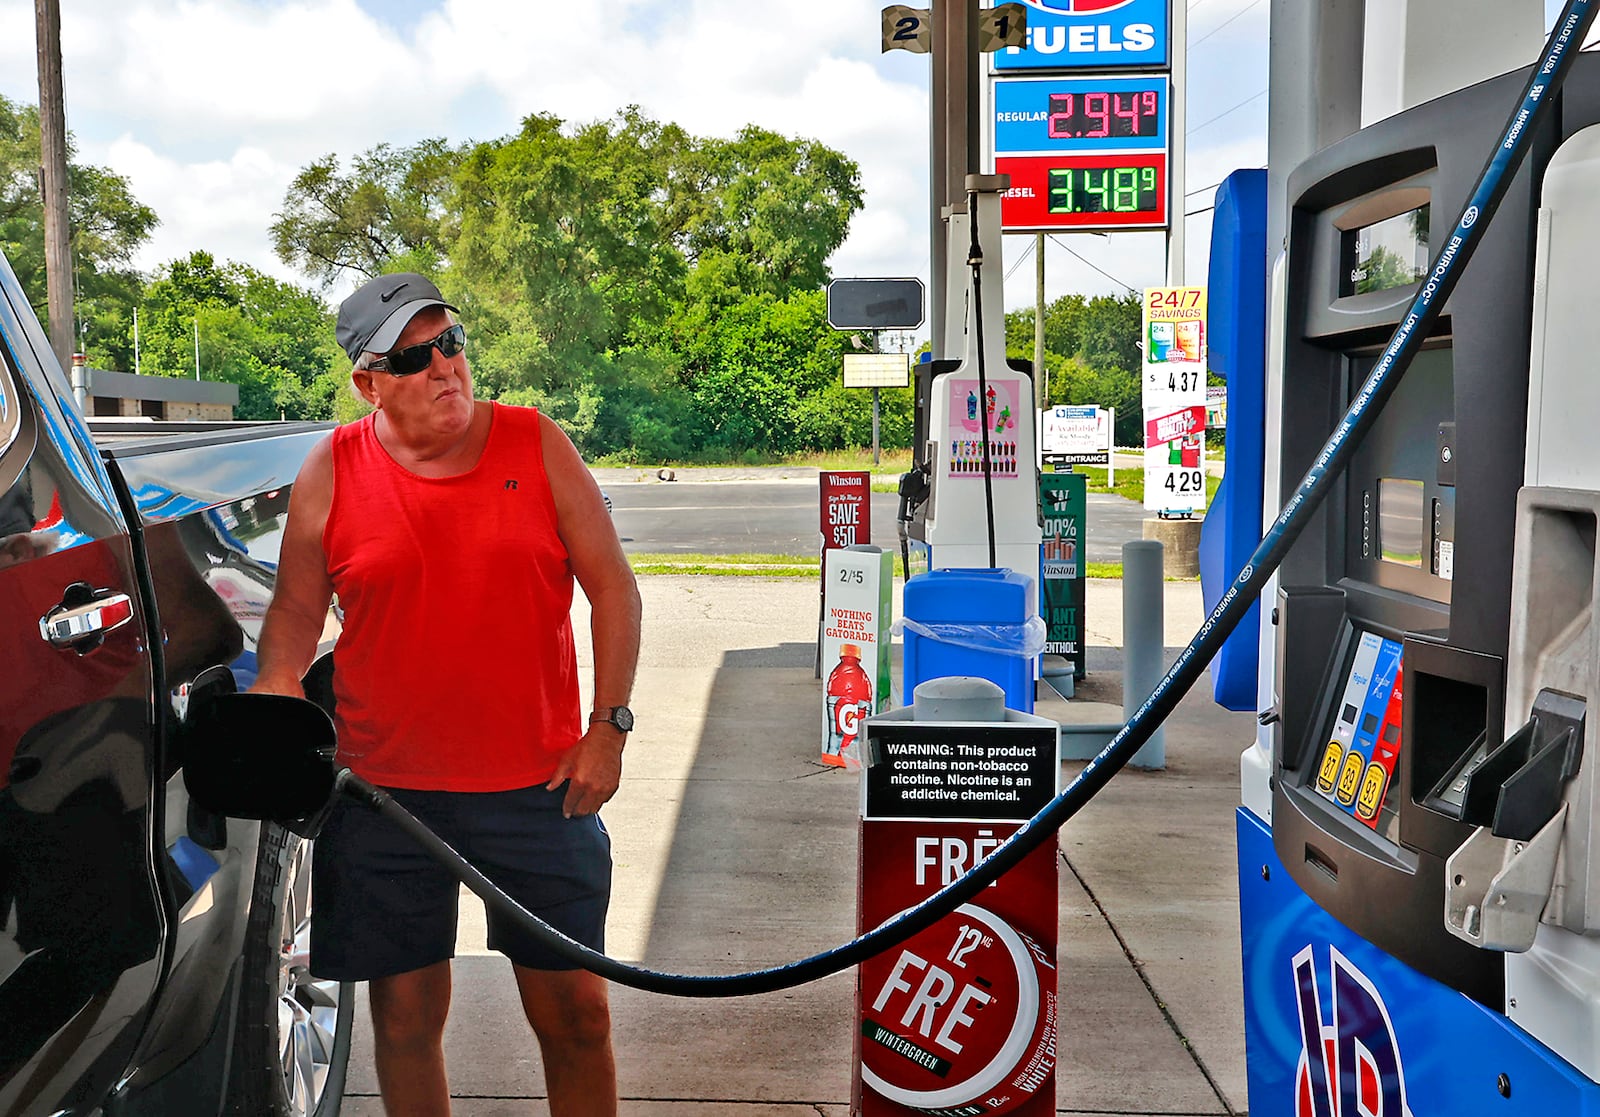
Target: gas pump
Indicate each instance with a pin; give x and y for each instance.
(949, 526)
(1415, 903)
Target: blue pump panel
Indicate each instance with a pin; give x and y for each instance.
(1335, 1027)
(1237, 327)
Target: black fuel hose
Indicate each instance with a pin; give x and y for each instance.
(1555, 63)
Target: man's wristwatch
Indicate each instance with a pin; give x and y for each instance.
(619, 716)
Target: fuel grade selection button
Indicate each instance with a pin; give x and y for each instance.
(961, 1019)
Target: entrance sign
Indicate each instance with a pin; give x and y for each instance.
(962, 1017)
(1091, 34)
(875, 304)
(1076, 435)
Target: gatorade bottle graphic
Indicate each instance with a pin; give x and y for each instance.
(849, 700)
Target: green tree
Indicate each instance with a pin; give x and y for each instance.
(390, 212)
(272, 339)
(1091, 353)
(107, 226)
(779, 206)
(606, 271)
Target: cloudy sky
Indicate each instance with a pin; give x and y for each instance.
(210, 107)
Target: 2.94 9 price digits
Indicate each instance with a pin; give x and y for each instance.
(1094, 115)
(1185, 481)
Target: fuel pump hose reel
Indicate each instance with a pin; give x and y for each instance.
(223, 778)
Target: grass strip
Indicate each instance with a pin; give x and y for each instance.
(779, 566)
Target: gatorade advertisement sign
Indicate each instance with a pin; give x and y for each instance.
(962, 1018)
(855, 647)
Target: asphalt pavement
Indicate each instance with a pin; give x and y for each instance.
(776, 511)
(735, 849)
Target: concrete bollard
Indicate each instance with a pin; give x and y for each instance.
(958, 698)
(1182, 541)
(1143, 638)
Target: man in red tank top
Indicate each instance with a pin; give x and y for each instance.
(452, 531)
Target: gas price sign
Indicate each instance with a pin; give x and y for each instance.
(1084, 192)
(1082, 153)
(1079, 115)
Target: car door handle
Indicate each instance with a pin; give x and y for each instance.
(77, 622)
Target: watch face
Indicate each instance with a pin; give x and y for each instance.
(622, 718)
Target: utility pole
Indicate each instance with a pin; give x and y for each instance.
(1041, 379)
(53, 179)
(955, 134)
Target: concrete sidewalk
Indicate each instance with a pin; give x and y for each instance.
(735, 849)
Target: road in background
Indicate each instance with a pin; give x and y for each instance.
(781, 518)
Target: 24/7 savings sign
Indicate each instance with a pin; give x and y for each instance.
(1091, 34)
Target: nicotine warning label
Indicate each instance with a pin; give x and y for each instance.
(976, 772)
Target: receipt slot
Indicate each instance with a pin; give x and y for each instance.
(961, 1019)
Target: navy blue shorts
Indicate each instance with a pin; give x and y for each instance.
(381, 906)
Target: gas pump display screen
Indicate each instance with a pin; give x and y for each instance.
(1384, 255)
(1363, 745)
(1401, 521)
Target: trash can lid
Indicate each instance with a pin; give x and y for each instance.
(980, 595)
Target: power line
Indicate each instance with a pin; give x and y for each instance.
(1096, 267)
(1023, 259)
(1220, 115)
(1214, 185)
(1224, 23)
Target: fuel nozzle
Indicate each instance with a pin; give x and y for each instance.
(914, 487)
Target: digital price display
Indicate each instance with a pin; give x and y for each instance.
(1084, 192)
(1033, 116)
(1104, 114)
(1082, 152)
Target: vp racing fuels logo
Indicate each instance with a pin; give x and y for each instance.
(1079, 7)
(1350, 1067)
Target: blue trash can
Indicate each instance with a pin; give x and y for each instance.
(979, 623)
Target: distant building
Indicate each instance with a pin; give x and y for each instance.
(159, 397)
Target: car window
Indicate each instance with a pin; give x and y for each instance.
(10, 409)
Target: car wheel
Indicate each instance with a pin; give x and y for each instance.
(294, 1030)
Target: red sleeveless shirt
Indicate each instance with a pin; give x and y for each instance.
(456, 670)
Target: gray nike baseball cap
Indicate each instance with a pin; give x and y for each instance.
(373, 316)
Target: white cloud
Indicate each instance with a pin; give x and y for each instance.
(221, 206)
(209, 107)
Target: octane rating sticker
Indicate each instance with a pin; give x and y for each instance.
(962, 1019)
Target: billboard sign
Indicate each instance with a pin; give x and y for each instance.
(1091, 34)
(875, 304)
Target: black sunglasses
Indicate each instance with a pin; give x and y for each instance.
(415, 358)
